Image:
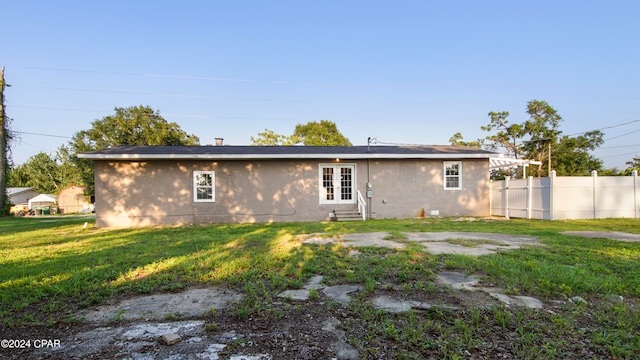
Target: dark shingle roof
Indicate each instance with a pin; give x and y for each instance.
(286, 152)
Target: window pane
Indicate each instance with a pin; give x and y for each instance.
(205, 193)
(203, 186)
(452, 177)
(327, 182)
(346, 192)
(203, 179)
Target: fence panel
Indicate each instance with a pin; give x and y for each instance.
(567, 197)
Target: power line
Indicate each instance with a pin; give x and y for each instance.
(39, 134)
(608, 127)
(619, 136)
(617, 147)
(171, 76)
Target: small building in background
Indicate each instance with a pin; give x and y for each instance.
(43, 204)
(72, 200)
(21, 195)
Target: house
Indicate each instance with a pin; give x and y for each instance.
(72, 200)
(172, 185)
(21, 195)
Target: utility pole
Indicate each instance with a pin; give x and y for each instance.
(3, 145)
(549, 172)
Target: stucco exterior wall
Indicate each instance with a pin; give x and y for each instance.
(146, 193)
(402, 189)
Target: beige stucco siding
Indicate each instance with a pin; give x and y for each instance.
(402, 189)
(161, 192)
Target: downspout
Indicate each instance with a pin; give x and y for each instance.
(369, 202)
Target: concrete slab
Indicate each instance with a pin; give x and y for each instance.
(371, 239)
(295, 295)
(615, 235)
(434, 242)
(457, 280)
(341, 347)
(189, 303)
(314, 283)
(395, 305)
(530, 302)
(340, 293)
(506, 299)
(526, 301)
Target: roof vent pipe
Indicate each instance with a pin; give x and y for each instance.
(219, 141)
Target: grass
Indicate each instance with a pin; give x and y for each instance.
(48, 270)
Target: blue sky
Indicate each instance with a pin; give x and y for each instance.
(403, 72)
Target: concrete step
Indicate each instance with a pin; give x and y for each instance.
(348, 215)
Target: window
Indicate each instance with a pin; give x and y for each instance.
(452, 175)
(204, 186)
(337, 184)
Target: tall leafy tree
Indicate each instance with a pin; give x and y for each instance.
(506, 135)
(322, 133)
(634, 164)
(44, 174)
(314, 133)
(542, 130)
(540, 138)
(135, 125)
(571, 155)
(271, 138)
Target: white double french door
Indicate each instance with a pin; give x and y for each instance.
(337, 183)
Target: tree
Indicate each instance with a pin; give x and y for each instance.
(135, 125)
(507, 135)
(458, 140)
(44, 174)
(323, 133)
(542, 130)
(270, 138)
(571, 155)
(539, 138)
(634, 164)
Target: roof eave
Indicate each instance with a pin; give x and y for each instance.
(132, 157)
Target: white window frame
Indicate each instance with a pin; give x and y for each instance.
(196, 186)
(337, 184)
(446, 176)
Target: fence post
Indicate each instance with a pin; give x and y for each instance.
(552, 176)
(635, 192)
(506, 197)
(529, 195)
(594, 176)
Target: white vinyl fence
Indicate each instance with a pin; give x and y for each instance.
(567, 197)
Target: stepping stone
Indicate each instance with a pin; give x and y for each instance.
(390, 304)
(340, 293)
(296, 295)
(457, 280)
(506, 299)
(314, 283)
(526, 301)
(393, 305)
(530, 302)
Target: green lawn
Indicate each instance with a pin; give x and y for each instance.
(50, 267)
